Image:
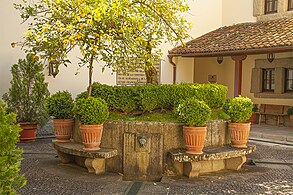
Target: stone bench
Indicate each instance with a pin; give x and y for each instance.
(274, 110)
(94, 161)
(213, 159)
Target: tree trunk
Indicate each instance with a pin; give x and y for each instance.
(151, 74)
(150, 69)
(90, 76)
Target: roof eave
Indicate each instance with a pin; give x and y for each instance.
(237, 52)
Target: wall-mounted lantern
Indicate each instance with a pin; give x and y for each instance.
(271, 57)
(53, 68)
(220, 59)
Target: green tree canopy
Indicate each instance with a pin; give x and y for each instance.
(125, 34)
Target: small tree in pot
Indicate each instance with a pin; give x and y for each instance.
(194, 114)
(290, 113)
(239, 109)
(27, 96)
(92, 113)
(60, 106)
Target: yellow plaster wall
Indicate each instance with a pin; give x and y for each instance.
(225, 75)
(185, 69)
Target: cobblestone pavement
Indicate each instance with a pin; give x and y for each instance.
(46, 175)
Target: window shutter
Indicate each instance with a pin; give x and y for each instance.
(256, 82)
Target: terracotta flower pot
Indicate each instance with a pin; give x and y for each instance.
(253, 118)
(239, 134)
(29, 131)
(194, 138)
(91, 136)
(63, 129)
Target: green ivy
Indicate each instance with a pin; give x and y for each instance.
(239, 109)
(10, 155)
(91, 110)
(60, 105)
(194, 112)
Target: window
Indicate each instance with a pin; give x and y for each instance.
(271, 6)
(268, 80)
(290, 5)
(289, 80)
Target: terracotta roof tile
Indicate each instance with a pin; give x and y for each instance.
(241, 37)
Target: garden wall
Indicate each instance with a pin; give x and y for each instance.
(143, 146)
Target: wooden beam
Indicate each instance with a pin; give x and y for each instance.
(238, 74)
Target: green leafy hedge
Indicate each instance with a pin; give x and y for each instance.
(60, 105)
(239, 109)
(91, 110)
(150, 97)
(194, 112)
(10, 155)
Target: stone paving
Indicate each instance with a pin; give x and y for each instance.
(46, 175)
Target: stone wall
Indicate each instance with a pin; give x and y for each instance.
(133, 157)
(282, 12)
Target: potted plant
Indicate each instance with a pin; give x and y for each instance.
(92, 113)
(27, 96)
(290, 113)
(194, 114)
(253, 116)
(239, 109)
(60, 106)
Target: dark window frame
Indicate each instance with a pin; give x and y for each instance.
(290, 5)
(274, 6)
(288, 80)
(271, 80)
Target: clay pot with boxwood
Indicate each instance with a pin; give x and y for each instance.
(27, 96)
(239, 109)
(253, 117)
(290, 113)
(194, 114)
(60, 106)
(92, 113)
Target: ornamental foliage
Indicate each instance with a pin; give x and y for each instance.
(125, 34)
(10, 154)
(91, 110)
(239, 109)
(147, 98)
(60, 105)
(193, 112)
(28, 92)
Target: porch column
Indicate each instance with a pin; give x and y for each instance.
(238, 74)
(174, 68)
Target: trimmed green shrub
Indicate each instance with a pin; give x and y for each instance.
(148, 96)
(213, 95)
(10, 155)
(290, 110)
(60, 105)
(91, 110)
(239, 109)
(125, 99)
(194, 112)
(28, 93)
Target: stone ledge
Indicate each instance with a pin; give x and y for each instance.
(76, 149)
(226, 152)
